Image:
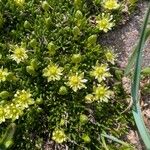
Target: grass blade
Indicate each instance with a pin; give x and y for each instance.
(135, 87)
(137, 71)
(114, 139)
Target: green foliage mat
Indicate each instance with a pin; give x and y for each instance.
(56, 82)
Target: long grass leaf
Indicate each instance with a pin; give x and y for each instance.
(135, 87)
(137, 71)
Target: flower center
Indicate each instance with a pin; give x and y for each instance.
(53, 70)
(100, 92)
(100, 71)
(103, 23)
(19, 52)
(75, 80)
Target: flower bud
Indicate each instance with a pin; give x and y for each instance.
(8, 143)
(34, 63)
(30, 70)
(83, 119)
(67, 29)
(39, 101)
(62, 122)
(33, 43)
(63, 90)
(86, 138)
(48, 21)
(19, 3)
(119, 74)
(39, 110)
(45, 5)
(92, 40)
(76, 31)
(76, 58)
(27, 25)
(10, 76)
(4, 94)
(52, 48)
(78, 15)
(77, 4)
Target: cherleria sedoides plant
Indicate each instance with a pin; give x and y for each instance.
(57, 83)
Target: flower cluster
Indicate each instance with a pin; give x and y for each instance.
(100, 93)
(22, 100)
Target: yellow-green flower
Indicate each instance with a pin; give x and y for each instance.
(105, 22)
(101, 93)
(76, 81)
(100, 72)
(23, 99)
(13, 111)
(59, 136)
(52, 72)
(110, 56)
(3, 74)
(19, 54)
(2, 114)
(111, 4)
